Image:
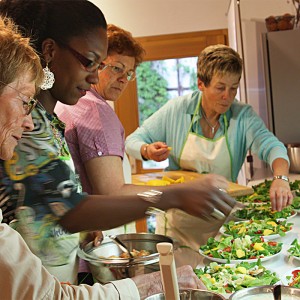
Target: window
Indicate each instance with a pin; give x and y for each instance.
(159, 81)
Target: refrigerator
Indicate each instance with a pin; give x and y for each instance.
(281, 58)
(246, 26)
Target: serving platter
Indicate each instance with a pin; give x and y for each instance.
(228, 278)
(232, 250)
(262, 212)
(256, 228)
(235, 261)
(290, 276)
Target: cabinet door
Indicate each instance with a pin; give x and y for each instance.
(284, 80)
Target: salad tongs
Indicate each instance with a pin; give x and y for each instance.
(121, 245)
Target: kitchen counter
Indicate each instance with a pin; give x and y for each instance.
(281, 263)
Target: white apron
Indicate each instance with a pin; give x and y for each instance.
(202, 155)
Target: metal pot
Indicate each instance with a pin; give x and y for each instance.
(190, 294)
(293, 151)
(106, 269)
(266, 293)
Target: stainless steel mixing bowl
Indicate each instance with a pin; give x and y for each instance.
(106, 269)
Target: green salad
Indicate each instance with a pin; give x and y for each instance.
(294, 250)
(263, 212)
(262, 192)
(247, 247)
(257, 228)
(296, 203)
(222, 278)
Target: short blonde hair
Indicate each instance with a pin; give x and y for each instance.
(17, 55)
(218, 60)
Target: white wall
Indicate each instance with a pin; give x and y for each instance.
(155, 17)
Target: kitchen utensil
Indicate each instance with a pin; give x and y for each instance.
(277, 292)
(121, 245)
(168, 270)
(106, 268)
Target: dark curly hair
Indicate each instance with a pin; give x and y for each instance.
(121, 41)
(60, 20)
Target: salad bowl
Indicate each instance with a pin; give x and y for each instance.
(294, 250)
(263, 212)
(229, 278)
(233, 250)
(291, 278)
(268, 229)
(235, 261)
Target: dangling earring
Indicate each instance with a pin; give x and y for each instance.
(48, 79)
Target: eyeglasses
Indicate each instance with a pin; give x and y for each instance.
(28, 105)
(130, 75)
(88, 64)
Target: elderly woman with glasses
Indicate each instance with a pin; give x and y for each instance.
(41, 193)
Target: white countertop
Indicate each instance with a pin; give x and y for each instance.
(280, 264)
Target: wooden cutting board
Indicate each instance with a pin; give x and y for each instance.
(233, 190)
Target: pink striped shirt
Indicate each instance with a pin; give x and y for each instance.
(92, 130)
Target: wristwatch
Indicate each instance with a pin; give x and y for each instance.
(283, 177)
(152, 196)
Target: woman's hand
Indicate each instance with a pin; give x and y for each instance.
(150, 284)
(280, 194)
(157, 151)
(87, 237)
(204, 198)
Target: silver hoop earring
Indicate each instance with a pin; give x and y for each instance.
(48, 79)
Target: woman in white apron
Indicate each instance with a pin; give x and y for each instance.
(209, 132)
(202, 155)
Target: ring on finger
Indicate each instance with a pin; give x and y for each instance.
(218, 214)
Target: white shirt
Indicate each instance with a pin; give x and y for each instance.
(22, 276)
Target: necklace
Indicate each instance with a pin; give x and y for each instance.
(212, 127)
(57, 138)
(57, 128)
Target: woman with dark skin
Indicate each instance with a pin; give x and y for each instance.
(22, 275)
(43, 201)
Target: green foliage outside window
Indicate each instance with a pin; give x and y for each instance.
(153, 87)
(152, 90)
